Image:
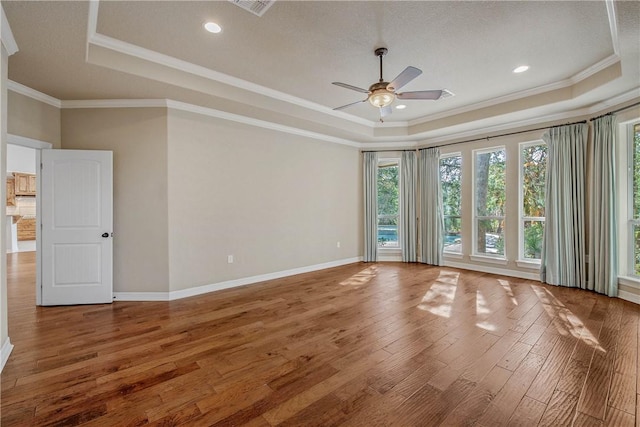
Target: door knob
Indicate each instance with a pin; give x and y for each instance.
(105, 234)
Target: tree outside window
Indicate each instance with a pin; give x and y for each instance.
(490, 201)
(533, 166)
(388, 202)
(451, 186)
(635, 214)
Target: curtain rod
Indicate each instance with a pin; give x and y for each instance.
(382, 151)
(616, 111)
(513, 133)
(481, 139)
(504, 134)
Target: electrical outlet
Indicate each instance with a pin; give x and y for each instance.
(338, 245)
(230, 259)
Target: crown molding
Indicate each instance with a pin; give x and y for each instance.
(125, 48)
(382, 143)
(115, 103)
(204, 111)
(582, 75)
(613, 25)
(6, 35)
(151, 56)
(633, 94)
(106, 42)
(92, 26)
(34, 94)
(576, 114)
(210, 112)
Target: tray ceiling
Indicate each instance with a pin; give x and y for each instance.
(579, 53)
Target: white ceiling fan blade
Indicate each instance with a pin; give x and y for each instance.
(385, 111)
(403, 78)
(421, 94)
(346, 86)
(349, 105)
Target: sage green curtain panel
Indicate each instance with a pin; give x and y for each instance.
(431, 219)
(408, 233)
(564, 240)
(603, 255)
(370, 185)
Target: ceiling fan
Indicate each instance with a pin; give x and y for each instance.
(382, 94)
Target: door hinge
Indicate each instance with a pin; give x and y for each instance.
(40, 166)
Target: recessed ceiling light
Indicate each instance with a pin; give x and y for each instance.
(212, 27)
(521, 69)
(401, 107)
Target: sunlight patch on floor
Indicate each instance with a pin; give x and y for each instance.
(361, 278)
(565, 321)
(439, 298)
(483, 310)
(507, 288)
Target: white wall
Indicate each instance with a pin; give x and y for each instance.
(21, 159)
(274, 201)
(138, 139)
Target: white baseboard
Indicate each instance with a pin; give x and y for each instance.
(141, 296)
(492, 270)
(628, 296)
(5, 351)
(199, 290)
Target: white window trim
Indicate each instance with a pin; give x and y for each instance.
(631, 262)
(393, 249)
(489, 258)
(475, 256)
(522, 261)
(450, 254)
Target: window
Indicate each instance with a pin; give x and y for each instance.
(451, 185)
(533, 166)
(489, 202)
(634, 202)
(388, 202)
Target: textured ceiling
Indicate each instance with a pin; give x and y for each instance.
(298, 48)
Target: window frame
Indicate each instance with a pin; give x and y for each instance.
(383, 248)
(631, 221)
(522, 261)
(475, 255)
(459, 216)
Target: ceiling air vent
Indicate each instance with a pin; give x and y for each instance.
(257, 7)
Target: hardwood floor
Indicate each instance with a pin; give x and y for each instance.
(359, 345)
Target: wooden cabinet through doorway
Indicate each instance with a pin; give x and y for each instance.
(11, 192)
(25, 184)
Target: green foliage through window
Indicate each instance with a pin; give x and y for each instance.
(636, 199)
(451, 186)
(388, 202)
(533, 164)
(490, 201)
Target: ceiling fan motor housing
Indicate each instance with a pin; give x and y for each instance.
(381, 96)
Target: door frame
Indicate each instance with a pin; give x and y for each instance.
(38, 146)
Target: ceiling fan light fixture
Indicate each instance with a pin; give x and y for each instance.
(381, 98)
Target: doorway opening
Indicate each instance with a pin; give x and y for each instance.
(23, 212)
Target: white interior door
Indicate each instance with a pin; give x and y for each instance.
(77, 224)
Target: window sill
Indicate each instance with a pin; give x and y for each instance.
(387, 250)
(452, 255)
(534, 265)
(488, 259)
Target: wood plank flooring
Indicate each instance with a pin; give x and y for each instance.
(360, 345)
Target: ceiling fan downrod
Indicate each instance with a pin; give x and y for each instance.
(380, 52)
